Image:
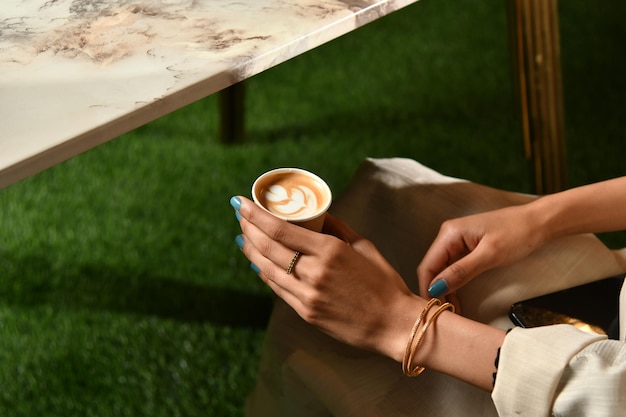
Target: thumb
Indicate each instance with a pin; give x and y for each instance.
(340, 229)
(456, 275)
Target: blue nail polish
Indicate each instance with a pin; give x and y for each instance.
(235, 202)
(239, 240)
(238, 215)
(255, 269)
(438, 288)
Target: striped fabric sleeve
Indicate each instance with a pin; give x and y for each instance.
(561, 371)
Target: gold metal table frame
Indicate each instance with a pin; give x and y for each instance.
(536, 53)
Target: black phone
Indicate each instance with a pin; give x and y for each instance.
(592, 307)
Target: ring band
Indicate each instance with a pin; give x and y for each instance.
(293, 262)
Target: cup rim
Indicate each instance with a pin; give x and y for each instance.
(301, 171)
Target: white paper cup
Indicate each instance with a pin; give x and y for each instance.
(295, 195)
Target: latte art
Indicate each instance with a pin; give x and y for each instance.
(294, 195)
(294, 201)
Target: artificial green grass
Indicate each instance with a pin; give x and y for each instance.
(122, 292)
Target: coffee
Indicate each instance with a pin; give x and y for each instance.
(293, 194)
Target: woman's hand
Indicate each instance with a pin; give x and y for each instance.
(467, 246)
(340, 283)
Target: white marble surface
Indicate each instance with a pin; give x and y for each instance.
(76, 73)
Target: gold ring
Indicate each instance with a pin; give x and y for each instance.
(293, 262)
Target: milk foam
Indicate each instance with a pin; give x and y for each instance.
(294, 201)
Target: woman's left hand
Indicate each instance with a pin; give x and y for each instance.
(340, 283)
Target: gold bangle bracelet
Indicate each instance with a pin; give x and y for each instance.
(409, 345)
(416, 342)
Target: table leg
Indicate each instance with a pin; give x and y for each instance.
(535, 38)
(232, 113)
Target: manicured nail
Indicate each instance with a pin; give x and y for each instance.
(255, 268)
(239, 240)
(235, 202)
(438, 288)
(238, 215)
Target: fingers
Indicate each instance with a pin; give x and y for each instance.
(453, 277)
(438, 277)
(272, 267)
(435, 261)
(291, 236)
(444, 251)
(452, 260)
(267, 254)
(274, 273)
(271, 245)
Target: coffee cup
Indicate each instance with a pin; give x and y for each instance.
(295, 195)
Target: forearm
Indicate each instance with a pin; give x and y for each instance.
(594, 208)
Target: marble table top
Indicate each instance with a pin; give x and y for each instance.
(77, 73)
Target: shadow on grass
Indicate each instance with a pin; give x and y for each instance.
(406, 118)
(97, 288)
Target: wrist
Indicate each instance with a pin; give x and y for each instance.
(402, 319)
(541, 217)
(449, 343)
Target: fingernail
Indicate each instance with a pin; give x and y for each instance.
(235, 202)
(238, 215)
(239, 240)
(438, 288)
(255, 268)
